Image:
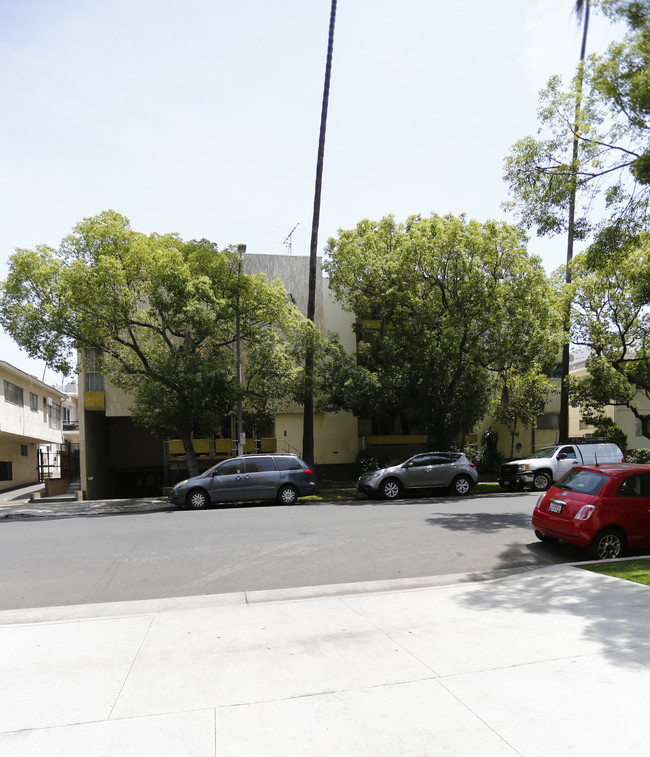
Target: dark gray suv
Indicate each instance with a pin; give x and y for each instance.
(424, 471)
(274, 477)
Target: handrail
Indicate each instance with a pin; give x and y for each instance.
(289, 447)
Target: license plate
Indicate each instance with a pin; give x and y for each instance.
(555, 507)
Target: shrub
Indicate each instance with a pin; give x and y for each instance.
(637, 456)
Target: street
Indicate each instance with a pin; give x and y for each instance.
(227, 549)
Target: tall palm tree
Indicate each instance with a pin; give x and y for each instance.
(308, 416)
(581, 9)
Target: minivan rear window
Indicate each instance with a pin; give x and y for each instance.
(288, 463)
(582, 481)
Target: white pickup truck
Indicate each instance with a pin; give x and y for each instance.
(547, 465)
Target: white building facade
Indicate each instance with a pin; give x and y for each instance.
(31, 416)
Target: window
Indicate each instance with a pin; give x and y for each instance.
(23, 450)
(585, 482)
(548, 421)
(229, 468)
(33, 402)
(5, 471)
(93, 379)
(13, 394)
(287, 463)
(259, 464)
(631, 487)
(55, 416)
(423, 461)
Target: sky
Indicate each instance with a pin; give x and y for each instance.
(201, 117)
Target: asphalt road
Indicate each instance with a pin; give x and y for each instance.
(225, 549)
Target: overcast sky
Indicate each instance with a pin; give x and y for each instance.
(201, 116)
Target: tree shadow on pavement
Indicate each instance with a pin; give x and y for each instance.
(480, 522)
(613, 613)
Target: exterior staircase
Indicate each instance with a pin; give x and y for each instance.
(73, 488)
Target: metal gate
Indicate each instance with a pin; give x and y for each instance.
(59, 461)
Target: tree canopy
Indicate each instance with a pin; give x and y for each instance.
(443, 306)
(611, 319)
(612, 126)
(160, 313)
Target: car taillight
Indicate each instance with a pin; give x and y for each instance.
(309, 471)
(539, 500)
(584, 512)
(472, 465)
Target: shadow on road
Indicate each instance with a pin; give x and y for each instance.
(480, 522)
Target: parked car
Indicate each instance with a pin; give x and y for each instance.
(427, 470)
(604, 508)
(549, 464)
(274, 477)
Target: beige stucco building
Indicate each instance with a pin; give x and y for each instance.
(119, 458)
(31, 419)
(621, 415)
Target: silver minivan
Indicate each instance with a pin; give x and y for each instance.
(274, 477)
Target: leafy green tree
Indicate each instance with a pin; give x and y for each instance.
(522, 400)
(592, 143)
(443, 306)
(610, 317)
(161, 314)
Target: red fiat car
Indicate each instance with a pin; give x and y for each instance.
(605, 508)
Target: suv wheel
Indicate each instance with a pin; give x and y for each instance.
(461, 486)
(390, 488)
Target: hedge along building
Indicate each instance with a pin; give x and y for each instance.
(121, 459)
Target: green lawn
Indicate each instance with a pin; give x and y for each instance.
(335, 495)
(630, 570)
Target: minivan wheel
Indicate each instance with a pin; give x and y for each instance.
(541, 482)
(390, 489)
(607, 545)
(287, 495)
(197, 499)
(461, 486)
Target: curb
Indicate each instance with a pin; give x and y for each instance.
(259, 597)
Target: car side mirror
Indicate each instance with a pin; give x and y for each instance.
(562, 456)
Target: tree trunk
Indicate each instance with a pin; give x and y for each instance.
(190, 455)
(582, 6)
(308, 411)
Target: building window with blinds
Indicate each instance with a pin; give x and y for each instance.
(13, 393)
(55, 416)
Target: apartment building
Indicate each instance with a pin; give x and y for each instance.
(31, 419)
(121, 459)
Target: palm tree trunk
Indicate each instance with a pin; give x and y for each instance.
(308, 412)
(581, 8)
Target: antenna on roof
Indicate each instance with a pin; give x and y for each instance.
(287, 241)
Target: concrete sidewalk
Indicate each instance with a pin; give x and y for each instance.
(553, 661)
